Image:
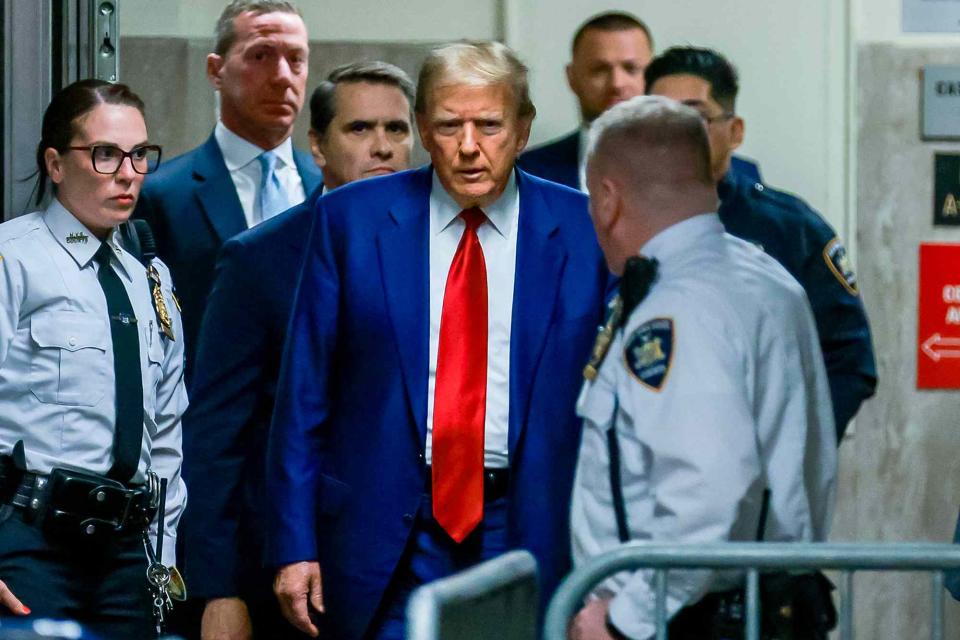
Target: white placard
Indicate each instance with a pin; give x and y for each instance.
(931, 16)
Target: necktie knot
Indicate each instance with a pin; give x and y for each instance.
(473, 217)
(102, 256)
(268, 161)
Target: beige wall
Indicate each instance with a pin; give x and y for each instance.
(791, 60)
(378, 20)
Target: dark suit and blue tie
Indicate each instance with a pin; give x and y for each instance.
(192, 206)
(425, 412)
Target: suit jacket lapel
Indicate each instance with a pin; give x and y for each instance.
(404, 262)
(309, 173)
(541, 259)
(217, 193)
(571, 162)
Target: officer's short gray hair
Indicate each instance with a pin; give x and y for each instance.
(654, 128)
(225, 33)
(476, 63)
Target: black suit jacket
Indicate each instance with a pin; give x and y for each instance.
(558, 161)
(193, 208)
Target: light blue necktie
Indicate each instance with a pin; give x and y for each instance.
(273, 199)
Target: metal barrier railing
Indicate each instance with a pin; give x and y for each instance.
(753, 558)
(495, 600)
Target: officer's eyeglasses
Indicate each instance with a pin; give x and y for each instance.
(108, 159)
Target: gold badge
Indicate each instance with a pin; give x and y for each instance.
(604, 337)
(840, 265)
(77, 238)
(159, 304)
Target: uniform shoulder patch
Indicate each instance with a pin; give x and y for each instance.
(649, 352)
(835, 255)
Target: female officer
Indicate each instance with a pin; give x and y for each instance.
(91, 380)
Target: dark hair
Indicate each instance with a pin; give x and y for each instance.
(705, 64)
(60, 120)
(225, 34)
(322, 103)
(612, 21)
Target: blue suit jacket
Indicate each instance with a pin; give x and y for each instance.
(953, 577)
(558, 161)
(193, 208)
(345, 466)
(231, 402)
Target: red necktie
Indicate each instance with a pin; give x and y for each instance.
(460, 400)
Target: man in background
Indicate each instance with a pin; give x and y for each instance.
(609, 53)
(247, 171)
(360, 127)
(785, 226)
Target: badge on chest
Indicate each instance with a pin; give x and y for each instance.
(648, 353)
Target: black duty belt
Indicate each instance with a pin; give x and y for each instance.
(82, 505)
(496, 483)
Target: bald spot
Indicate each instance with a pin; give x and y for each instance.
(659, 152)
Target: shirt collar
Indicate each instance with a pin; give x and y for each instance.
(500, 213)
(238, 152)
(584, 138)
(76, 239)
(682, 236)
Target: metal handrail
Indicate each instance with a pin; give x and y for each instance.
(499, 577)
(754, 557)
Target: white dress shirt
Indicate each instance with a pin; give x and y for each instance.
(730, 397)
(241, 156)
(56, 356)
(582, 157)
(498, 238)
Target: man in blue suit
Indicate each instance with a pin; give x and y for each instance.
(425, 412)
(361, 126)
(247, 170)
(609, 54)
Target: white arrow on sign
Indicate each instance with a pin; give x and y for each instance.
(938, 347)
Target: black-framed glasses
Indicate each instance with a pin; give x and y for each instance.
(726, 115)
(108, 158)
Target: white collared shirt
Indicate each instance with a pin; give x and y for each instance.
(56, 355)
(717, 390)
(582, 157)
(498, 238)
(241, 156)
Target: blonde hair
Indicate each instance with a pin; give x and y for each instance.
(477, 63)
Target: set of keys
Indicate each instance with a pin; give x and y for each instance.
(165, 583)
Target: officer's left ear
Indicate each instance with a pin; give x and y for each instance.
(54, 163)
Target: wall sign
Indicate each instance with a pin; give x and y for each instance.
(938, 322)
(931, 16)
(946, 189)
(941, 102)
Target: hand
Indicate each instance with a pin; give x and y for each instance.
(299, 589)
(226, 619)
(591, 622)
(11, 602)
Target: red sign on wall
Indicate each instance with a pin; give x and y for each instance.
(938, 323)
